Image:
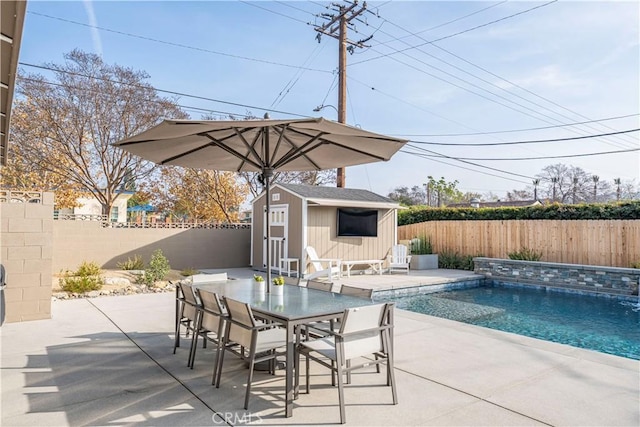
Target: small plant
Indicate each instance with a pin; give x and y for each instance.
(157, 269)
(86, 279)
(132, 264)
(189, 272)
(278, 281)
(635, 264)
(455, 261)
(259, 278)
(421, 246)
(525, 254)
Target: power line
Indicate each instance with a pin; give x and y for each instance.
(463, 161)
(171, 92)
(457, 34)
(566, 156)
(522, 130)
(264, 61)
(426, 157)
(437, 26)
(486, 144)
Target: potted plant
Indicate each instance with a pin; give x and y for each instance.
(422, 256)
(277, 287)
(259, 281)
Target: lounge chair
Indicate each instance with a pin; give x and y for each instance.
(329, 267)
(399, 259)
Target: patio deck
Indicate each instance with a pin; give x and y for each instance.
(109, 361)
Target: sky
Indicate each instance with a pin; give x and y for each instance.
(435, 73)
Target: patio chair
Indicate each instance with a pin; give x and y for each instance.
(329, 267)
(365, 331)
(188, 313)
(211, 318)
(398, 259)
(356, 292)
(260, 339)
(319, 285)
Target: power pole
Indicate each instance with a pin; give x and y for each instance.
(336, 27)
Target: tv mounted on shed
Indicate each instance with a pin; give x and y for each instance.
(357, 222)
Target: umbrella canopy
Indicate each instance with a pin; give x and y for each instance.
(260, 146)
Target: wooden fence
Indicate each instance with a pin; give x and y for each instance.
(614, 243)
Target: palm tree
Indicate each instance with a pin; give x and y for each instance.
(595, 179)
(536, 182)
(618, 182)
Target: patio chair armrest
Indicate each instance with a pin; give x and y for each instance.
(408, 258)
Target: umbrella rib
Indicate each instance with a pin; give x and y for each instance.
(296, 152)
(221, 145)
(250, 147)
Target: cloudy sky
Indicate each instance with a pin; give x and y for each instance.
(440, 74)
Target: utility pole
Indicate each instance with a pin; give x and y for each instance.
(336, 27)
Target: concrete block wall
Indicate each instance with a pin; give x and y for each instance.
(588, 278)
(26, 242)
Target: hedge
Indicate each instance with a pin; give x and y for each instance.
(621, 210)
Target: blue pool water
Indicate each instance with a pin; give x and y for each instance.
(606, 325)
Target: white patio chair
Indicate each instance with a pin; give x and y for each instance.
(398, 259)
(365, 331)
(329, 267)
(256, 337)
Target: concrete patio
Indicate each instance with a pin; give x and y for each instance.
(109, 361)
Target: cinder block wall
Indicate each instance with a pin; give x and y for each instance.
(26, 253)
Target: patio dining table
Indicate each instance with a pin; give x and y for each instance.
(296, 306)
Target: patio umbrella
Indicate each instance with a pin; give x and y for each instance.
(261, 146)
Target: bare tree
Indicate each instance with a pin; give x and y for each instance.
(618, 183)
(76, 117)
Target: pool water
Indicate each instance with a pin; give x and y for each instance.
(607, 325)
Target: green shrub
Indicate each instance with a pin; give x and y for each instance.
(132, 264)
(189, 272)
(525, 254)
(157, 269)
(421, 245)
(599, 211)
(86, 279)
(455, 261)
(635, 264)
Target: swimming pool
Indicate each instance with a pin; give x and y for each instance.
(607, 325)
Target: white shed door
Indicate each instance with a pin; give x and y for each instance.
(279, 223)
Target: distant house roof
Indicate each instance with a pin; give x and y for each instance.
(499, 204)
(335, 196)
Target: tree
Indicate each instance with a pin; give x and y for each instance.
(324, 177)
(595, 179)
(442, 192)
(198, 194)
(565, 183)
(408, 197)
(69, 124)
(618, 182)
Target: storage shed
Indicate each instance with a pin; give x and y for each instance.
(345, 223)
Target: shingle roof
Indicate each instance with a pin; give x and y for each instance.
(335, 193)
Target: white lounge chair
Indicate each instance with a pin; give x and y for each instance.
(398, 259)
(329, 267)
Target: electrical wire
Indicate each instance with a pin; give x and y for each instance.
(520, 130)
(538, 141)
(566, 156)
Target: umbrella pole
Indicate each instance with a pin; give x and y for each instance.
(266, 174)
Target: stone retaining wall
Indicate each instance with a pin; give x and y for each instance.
(589, 278)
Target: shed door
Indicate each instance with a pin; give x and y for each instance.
(279, 234)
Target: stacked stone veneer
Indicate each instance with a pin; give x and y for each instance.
(26, 254)
(588, 278)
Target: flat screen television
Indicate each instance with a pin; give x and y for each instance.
(357, 222)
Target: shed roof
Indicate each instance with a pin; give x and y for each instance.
(335, 196)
